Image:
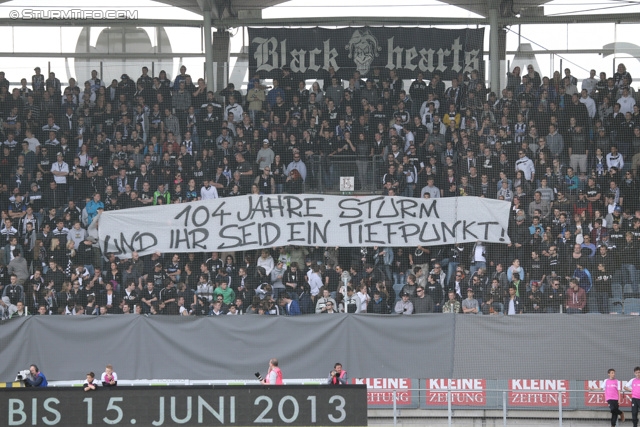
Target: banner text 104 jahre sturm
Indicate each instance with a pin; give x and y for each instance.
(253, 222)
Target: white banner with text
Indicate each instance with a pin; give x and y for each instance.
(258, 221)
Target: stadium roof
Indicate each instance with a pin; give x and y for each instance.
(232, 7)
(221, 7)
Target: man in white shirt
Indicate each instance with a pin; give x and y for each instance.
(60, 171)
(31, 140)
(315, 281)
(590, 83)
(614, 159)
(626, 101)
(234, 108)
(207, 191)
(352, 301)
(589, 103)
(525, 164)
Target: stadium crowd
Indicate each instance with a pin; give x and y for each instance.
(566, 159)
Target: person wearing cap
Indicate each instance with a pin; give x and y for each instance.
(404, 306)
(470, 304)
(265, 156)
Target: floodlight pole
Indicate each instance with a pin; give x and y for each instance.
(494, 48)
(208, 49)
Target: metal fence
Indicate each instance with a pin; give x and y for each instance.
(532, 406)
(323, 174)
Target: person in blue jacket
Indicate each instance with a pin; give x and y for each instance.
(36, 379)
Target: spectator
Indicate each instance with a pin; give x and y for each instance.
(470, 304)
(512, 303)
(422, 302)
(404, 306)
(378, 304)
(452, 305)
(352, 301)
(290, 306)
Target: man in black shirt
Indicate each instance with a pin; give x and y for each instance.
(168, 297)
(149, 298)
(214, 264)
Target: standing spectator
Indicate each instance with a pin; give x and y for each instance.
(60, 172)
(512, 303)
(208, 192)
(576, 298)
(290, 306)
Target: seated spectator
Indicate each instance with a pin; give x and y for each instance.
(535, 300)
(452, 305)
(321, 303)
(434, 290)
(331, 308)
(377, 304)
(494, 296)
(470, 304)
(294, 184)
(422, 302)
(404, 306)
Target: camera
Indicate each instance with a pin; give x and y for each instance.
(258, 376)
(22, 375)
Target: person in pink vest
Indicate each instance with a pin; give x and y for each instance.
(338, 375)
(274, 375)
(634, 387)
(612, 391)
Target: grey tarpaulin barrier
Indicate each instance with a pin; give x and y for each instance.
(575, 347)
(545, 346)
